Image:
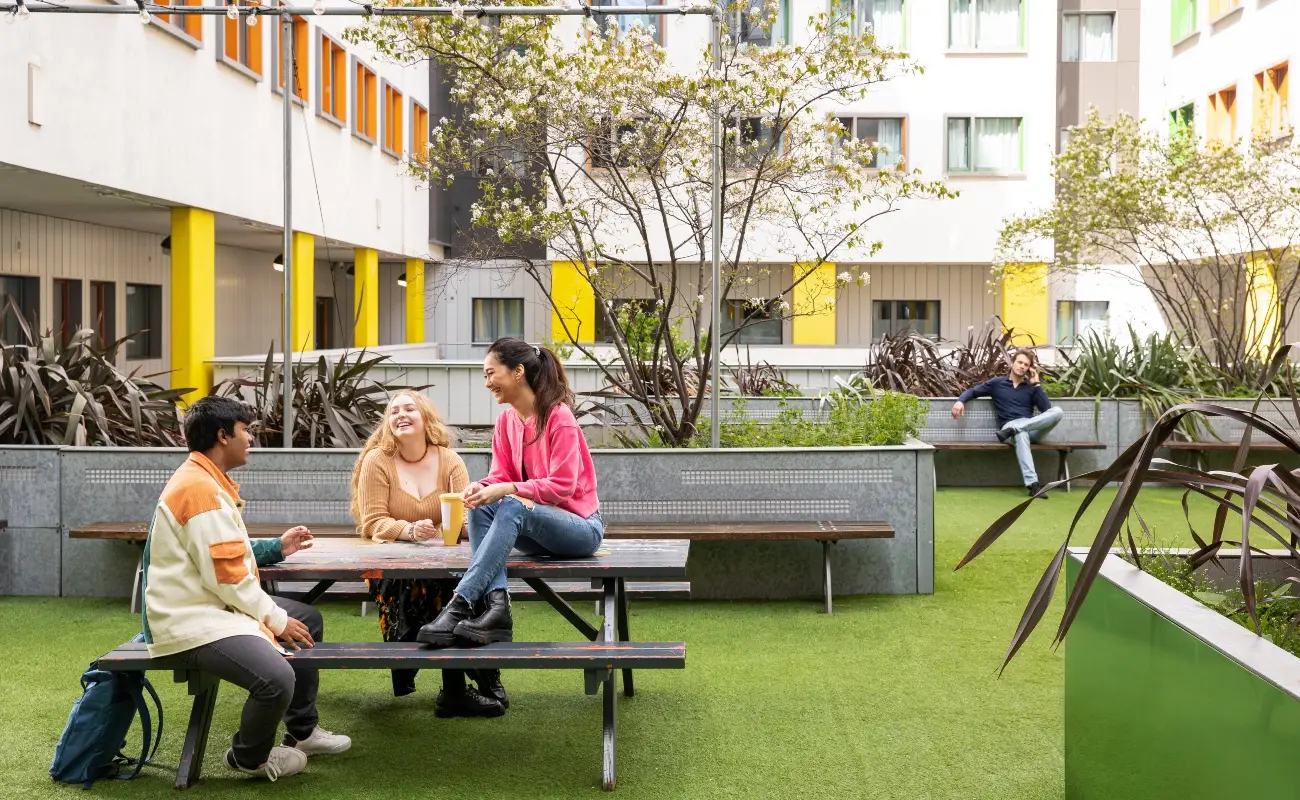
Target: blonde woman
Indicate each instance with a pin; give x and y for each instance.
(405, 466)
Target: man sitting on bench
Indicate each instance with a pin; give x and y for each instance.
(203, 601)
(1015, 396)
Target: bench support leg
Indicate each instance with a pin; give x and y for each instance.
(137, 584)
(1063, 471)
(561, 605)
(204, 690)
(623, 635)
(826, 575)
(609, 634)
(317, 592)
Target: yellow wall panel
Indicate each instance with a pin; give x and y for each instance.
(814, 318)
(573, 316)
(193, 311)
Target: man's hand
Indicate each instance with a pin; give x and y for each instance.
(958, 408)
(1033, 377)
(295, 539)
(296, 635)
(486, 495)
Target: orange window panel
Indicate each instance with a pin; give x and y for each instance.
(1223, 116)
(393, 120)
(243, 45)
(419, 132)
(191, 24)
(299, 57)
(365, 102)
(333, 79)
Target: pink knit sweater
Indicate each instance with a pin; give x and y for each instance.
(558, 465)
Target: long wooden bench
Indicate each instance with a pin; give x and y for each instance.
(598, 660)
(824, 532)
(1199, 449)
(1062, 449)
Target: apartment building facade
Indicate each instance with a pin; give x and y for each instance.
(982, 116)
(141, 179)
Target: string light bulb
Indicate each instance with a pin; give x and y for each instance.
(232, 11)
(318, 7)
(144, 12)
(252, 17)
(23, 11)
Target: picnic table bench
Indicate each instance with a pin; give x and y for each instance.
(1198, 449)
(607, 649)
(826, 533)
(1062, 449)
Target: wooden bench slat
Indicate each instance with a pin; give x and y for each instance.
(409, 655)
(569, 590)
(1266, 444)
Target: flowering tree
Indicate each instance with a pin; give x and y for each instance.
(1210, 230)
(591, 138)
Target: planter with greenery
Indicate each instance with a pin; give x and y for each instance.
(1159, 629)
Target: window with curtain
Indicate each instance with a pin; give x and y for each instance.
(884, 18)
(627, 21)
(1088, 37)
(758, 324)
(985, 24)
(750, 27)
(1182, 19)
(1077, 318)
(893, 317)
(495, 317)
(984, 144)
(884, 131)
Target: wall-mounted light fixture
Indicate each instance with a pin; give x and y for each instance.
(167, 245)
(278, 263)
(401, 280)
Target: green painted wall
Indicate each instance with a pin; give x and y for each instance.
(1152, 712)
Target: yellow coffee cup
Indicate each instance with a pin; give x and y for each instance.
(453, 518)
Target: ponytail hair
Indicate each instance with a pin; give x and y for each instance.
(542, 370)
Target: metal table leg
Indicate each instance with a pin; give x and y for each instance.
(608, 634)
(204, 690)
(826, 574)
(623, 635)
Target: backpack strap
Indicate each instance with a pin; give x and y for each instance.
(142, 709)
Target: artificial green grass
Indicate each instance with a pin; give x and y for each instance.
(891, 697)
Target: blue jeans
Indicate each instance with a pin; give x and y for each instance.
(540, 530)
(1029, 430)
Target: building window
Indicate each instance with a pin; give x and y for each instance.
(1182, 120)
(67, 309)
(143, 321)
(895, 317)
(604, 151)
(652, 25)
(300, 64)
(495, 317)
(19, 295)
(887, 132)
(1220, 7)
(419, 132)
(1066, 134)
(986, 24)
(749, 26)
(604, 331)
(1271, 117)
(886, 20)
(333, 82)
(1182, 19)
(325, 336)
(758, 324)
(365, 121)
(1077, 318)
(1221, 123)
(756, 141)
(189, 24)
(1088, 37)
(103, 311)
(985, 145)
(393, 129)
(238, 44)
(507, 158)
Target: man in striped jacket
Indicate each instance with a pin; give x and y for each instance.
(203, 601)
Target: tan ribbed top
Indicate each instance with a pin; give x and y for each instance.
(386, 507)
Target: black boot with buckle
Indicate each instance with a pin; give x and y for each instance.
(493, 625)
(489, 683)
(442, 631)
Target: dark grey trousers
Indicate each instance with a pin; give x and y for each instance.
(275, 690)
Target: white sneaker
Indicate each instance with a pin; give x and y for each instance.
(321, 742)
(281, 762)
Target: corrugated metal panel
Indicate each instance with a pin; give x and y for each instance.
(962, 291)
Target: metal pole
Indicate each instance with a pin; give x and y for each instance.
(286, 62)
(715, 216)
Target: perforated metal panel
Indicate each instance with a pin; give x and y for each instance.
(282, 477)
(297, 511)
(24, 474)
(781, 477)
(111, 476)
(725, 509)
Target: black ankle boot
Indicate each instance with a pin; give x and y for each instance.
(465, 702)
(442, 631)
(489, 683)
(493, 625)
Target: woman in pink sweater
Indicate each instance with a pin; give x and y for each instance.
(539, 497)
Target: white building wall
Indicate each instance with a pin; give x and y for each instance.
(141, 110)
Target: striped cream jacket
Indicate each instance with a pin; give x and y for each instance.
(200, 568)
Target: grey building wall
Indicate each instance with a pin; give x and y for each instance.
(1111, 86)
